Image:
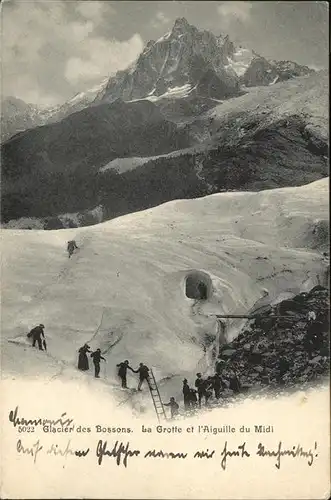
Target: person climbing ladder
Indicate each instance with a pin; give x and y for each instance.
(174, 407)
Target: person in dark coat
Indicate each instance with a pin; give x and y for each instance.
(96, 356)
(36, 334)
(208, 386)
(234, 382)
(193, 398)
(82, 358)
(217, 385)
(122, 372)
(174, 407)
(143, 371)
(186, 394)
(200, 385)
(71, 247)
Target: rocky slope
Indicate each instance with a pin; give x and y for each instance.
(180, 109)
(17, 116)
(54, 169)
(272, 136)
(280, 348)
(263, 72)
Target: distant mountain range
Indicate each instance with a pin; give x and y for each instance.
(18, 116)
(157, 118)
(186, 62)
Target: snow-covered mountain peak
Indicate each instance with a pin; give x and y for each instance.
(188, 56)
(185, 57)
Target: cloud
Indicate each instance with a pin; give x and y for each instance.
(93, 10)
(316, 67)
(159, 20)
(52, 49)
(235, 11)
(101, 58)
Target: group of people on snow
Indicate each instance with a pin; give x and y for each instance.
(193, 397)
(204, 388)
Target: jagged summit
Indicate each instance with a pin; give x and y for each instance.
(181, 23)
(185, 56)
(199, 62)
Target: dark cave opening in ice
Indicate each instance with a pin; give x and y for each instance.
(198, 285)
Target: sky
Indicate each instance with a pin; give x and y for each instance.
(54, 49)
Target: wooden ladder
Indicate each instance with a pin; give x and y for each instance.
(157, 401)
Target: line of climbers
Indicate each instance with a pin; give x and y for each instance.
(192, 397)
(204, 387)
(123, 367)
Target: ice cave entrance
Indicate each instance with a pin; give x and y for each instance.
(198, 285)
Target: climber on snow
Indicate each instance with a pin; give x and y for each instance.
(36, 334)
(174, 407)
(186, 394)
(234, 382)
(96, 356)
(122, 372)
(71, 246)
(217, 385)
(208, 389)
(143, 371)
(82, 357)
(193, 398)
(200, 385)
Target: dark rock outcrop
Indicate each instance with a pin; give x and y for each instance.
(263, 72)
(286, 351)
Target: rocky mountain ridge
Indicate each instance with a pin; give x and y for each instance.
(206, 66)
(18, 116)
(270, 137)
